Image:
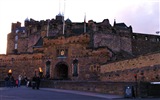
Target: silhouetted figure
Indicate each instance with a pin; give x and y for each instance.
(11, 81)
(6, 81)
(38, 80)
(34, 82)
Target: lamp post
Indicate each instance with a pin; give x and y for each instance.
(9, 72)
(40, 72)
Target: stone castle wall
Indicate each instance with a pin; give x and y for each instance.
(147, 68)
(24, 64)
(87, 47)
(143, 43)
(10, 43)
(113, 41)
(75, 47)
(116, 38)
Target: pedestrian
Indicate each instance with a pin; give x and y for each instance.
(19, 80)
(38, 82)
(6, 81)
(25, 79)
(34, 82)
(11, 81)
(17, 83)
(28, 82)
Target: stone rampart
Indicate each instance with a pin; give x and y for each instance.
(147, 68)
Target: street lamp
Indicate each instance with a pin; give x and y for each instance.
(9, 72)
(40, 72)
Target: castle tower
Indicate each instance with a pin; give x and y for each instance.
(15, 26)
(60, 17)
(26, 22)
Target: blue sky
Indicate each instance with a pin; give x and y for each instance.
(142, 15)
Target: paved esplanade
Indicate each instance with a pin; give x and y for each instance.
(24, 93)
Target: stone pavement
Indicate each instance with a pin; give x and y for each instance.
(100, 95)
(25, 93)
(107, 96)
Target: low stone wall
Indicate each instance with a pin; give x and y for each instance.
(140, 89)
(145, 74)
(91, 86)
(2, 83)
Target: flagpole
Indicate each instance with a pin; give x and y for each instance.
(47, 28)
(64, 18)
(85, 23)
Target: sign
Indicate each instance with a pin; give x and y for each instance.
(129, 92)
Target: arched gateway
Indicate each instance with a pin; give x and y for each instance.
(61, 71)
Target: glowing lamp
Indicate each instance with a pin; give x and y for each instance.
(40, 69)
(10, 71)
(40, 72)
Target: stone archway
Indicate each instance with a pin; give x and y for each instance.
(61, 71)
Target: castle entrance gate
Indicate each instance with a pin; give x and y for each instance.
(61, 71)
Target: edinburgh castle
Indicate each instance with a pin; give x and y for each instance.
(66, 50)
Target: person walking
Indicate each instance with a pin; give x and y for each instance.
(6, 81)
(34, 82)
(38, 82)
(17, 83)
(19, 80)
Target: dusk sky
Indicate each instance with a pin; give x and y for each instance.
(142, 15)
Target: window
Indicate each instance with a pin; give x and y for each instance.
(75, 67)
(15, 46)
(17, 31)
(16, 38)
(134, 37)
(146, 38)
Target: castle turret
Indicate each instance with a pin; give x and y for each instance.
(60, 17)
(15, 26)
(26, 22)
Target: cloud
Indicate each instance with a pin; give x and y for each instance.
(144, 17)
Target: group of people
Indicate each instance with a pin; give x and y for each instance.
(11, 82)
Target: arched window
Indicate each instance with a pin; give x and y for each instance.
(17, 31)
(15, 46)
(75, 67)
(16, 38)
(48, 69)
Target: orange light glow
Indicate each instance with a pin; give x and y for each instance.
(40, 69)
(10, 71)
